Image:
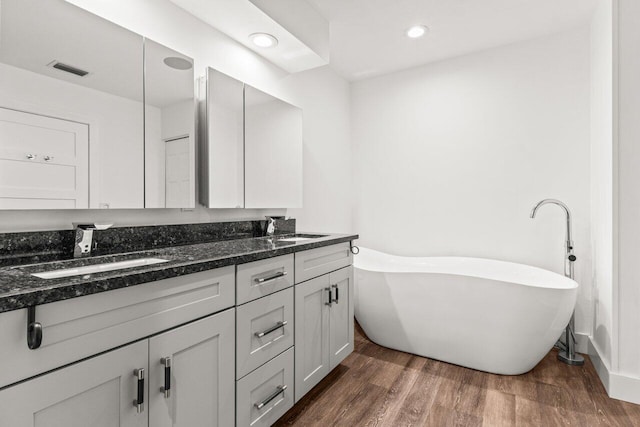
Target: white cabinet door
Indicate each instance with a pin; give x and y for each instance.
(341, 316)
(272, 151)
(44, 162)
(311, 333)
(98, 392)
(201, 378)
(221, 140)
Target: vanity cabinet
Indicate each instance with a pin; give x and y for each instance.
(101, 391)
(205, 359)
(264, 341)
(81, 327)
(324, 326)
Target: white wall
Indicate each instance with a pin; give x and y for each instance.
(615, 350)
(451, 157)
(628, 197)
(602, 179)
(322, 95)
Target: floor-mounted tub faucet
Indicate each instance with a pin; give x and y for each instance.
(569, 355)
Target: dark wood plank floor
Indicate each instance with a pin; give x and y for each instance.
(376, 386)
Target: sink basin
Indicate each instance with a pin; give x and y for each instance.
(98, 268)
(302, 237)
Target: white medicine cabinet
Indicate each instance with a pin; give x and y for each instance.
(250, 146)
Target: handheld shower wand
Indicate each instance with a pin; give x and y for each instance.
(568, 356)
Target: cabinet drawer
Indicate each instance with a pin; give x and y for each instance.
(77, 328)
(264, 329)
(260, 278)
(266, 394)
(316, 262)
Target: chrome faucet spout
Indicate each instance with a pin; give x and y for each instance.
(567, 212)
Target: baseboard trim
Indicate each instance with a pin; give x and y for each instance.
(582, 343)
(618, 386)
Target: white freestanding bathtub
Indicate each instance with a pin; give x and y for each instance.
(489, 315)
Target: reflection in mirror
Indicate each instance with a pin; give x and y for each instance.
(169, 128)
(273, 151)
(71, 116)
(222, 150)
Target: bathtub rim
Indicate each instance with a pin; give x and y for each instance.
(560, 282)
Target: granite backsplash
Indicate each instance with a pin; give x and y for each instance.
(44, 246)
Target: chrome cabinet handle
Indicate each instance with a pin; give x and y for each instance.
(271, 329)
(34, 329)
(337, 295)
(139, 401)
(280, 389)
(166, 389)
(330, 297)
(263, 280)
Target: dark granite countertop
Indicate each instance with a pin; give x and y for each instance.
(19, 289)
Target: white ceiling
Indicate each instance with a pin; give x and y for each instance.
(367, 36)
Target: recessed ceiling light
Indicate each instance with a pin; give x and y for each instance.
(263, 40)
(416, 31)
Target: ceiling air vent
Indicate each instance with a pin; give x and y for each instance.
(68, 68)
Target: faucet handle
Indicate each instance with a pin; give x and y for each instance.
(90, 226)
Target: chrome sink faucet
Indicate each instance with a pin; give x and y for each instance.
(84, 238)
(271, 226)
(569, 355)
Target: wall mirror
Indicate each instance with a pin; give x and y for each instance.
(169, 134)
(250, 147)
(72, 112)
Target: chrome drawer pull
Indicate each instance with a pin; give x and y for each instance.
(280, 389)
(331, 301)
(271, 329)
(263, 280)
(166, 389)
(139, 401)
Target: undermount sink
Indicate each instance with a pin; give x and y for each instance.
(98, 268)
(302, 237)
